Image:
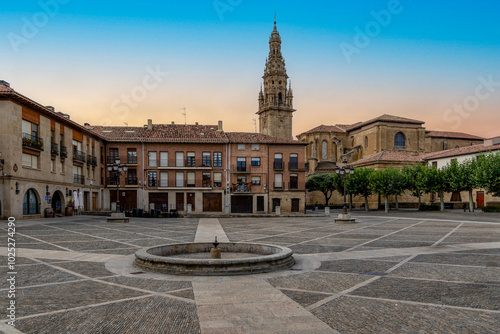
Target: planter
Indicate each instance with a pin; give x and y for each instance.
(49, 213)
(69, 211)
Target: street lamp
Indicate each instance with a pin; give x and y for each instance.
(117, 170)
(344, 172)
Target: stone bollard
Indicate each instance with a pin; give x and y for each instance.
(189, 208)
(277, 210)
(327, 210)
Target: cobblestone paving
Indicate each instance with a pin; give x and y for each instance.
(450, 285)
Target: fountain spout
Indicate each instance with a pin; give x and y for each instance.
(215, 253)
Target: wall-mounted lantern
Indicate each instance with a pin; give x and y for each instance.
(17, 188)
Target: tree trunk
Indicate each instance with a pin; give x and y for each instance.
(386, 199)
(471, 202)
(350, 202)
(396, 200)
(419, 200)
(366, 203)
(441, 199)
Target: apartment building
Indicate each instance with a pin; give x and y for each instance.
(45, 157)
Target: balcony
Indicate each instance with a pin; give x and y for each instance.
(79, 156)
(54, 149)
(278, 186)
(64, 152)
(89, 159)
(94, 161)
(242, 188)
(293, 185)
(112, 181)
(32, 142)
(80, 179)
(297, 167)
(278, 164)
(182, 164)
(241, 169)
(132, 159)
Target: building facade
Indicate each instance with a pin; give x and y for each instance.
(46, 157)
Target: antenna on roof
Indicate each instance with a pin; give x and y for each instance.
(126, 124)
(184, 113)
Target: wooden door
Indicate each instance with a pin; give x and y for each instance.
(191, 200)
(295, 205)
(160, 201)
(241, 204)
(276, 202)
(260, 203)
(212, 202)
(480, 199)
(94, 201)
(179, 200)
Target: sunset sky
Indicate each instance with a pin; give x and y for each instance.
(349, 61)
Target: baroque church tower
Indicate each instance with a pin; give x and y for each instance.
(276, 100)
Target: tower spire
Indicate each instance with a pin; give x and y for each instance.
(275, 102)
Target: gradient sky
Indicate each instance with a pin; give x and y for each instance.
(428, 60)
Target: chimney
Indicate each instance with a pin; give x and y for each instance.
(86, 124)
(63, 114)
(51, 108)
(173, 122)
(5, 83)
(150, 124)
(196, 123)
(220, 126)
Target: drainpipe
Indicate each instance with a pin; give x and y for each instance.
(269, 204)
(228, 175)
(142, 175)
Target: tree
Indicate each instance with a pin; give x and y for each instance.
(462, 177)
(488, 173)
(359, 184)
(387, 182)
(323, 183)
(415, 180)
(436, 180)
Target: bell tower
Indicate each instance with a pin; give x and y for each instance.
(276, 98)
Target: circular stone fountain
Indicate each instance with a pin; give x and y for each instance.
(194, 258)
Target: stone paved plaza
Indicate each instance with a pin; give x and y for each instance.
(405, 272)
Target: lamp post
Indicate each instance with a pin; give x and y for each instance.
(344, 172)
(116, 170)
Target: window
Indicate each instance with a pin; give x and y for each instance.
(30, 130)
(399, 140)
(179, 159)
(255, 147)
(30, 160)
(256, 180)
(52, 166)
(217, 180)
(241, 164)
(131, 156)
(207, 182)
(152, 159)
(30, 203)
(294, 181)
(311, 145)
(278, 181)
(163, 159)
(78, 175)
(324, 150)
(190, 162)
(445, 144)
(163, 179)
(241, 147)
(366, 142)
(179, 179)
(152, 179)
(191, 179)
(132, 176)
(278, 161)
(206, 156)
(294, 161)
(255, 161)
(217, 159)
(113, 155)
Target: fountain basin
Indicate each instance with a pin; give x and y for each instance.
(175, 259)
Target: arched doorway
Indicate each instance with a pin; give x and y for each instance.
(31, 203)
(57, 202)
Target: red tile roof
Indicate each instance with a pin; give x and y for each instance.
(4, 88)
(386, 118)
(162, 133)
(454, 135)
(389, 156)
(460, 151)
(259, 138)
(325, 128)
